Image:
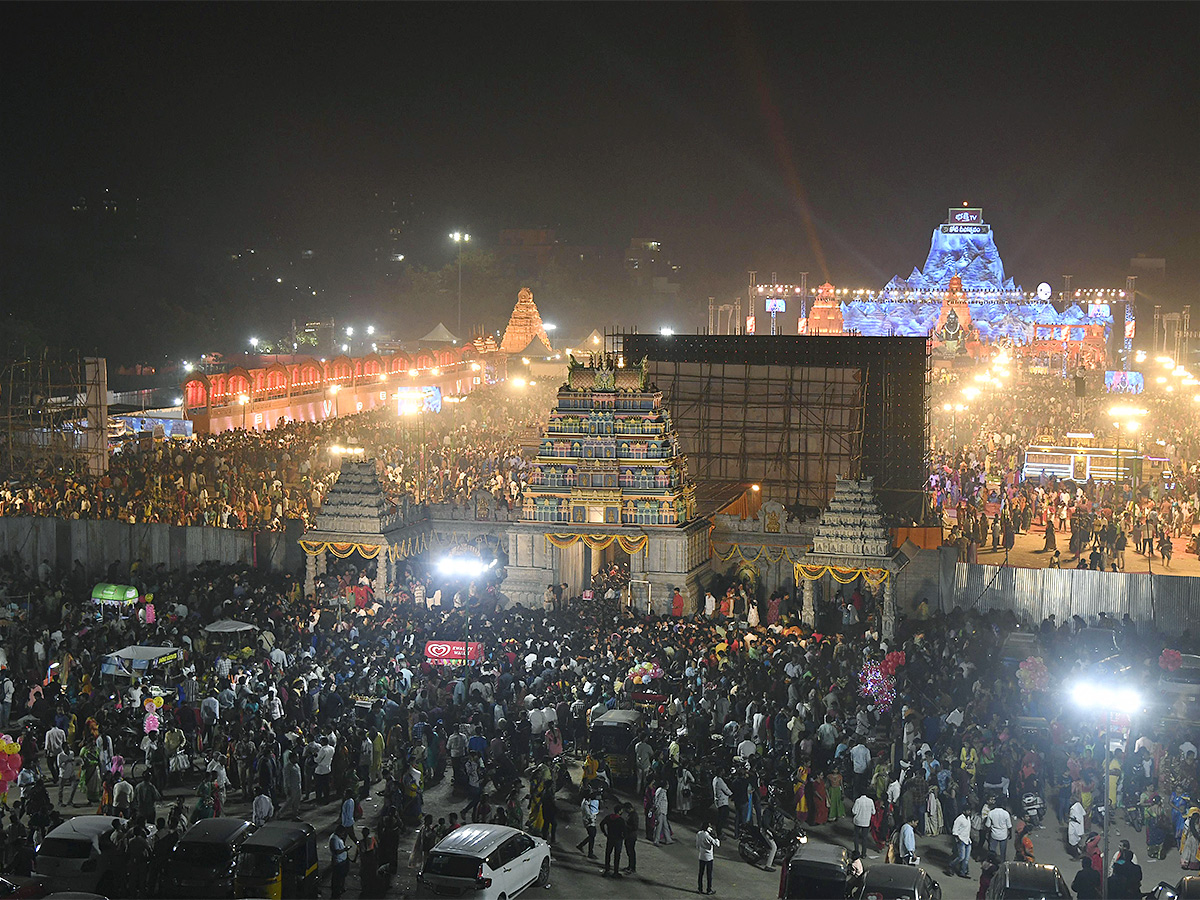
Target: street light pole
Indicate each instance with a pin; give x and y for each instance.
(460, 238)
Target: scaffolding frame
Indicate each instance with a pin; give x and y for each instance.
(53, 412)
(791, 414)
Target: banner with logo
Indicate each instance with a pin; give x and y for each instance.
(450, 652)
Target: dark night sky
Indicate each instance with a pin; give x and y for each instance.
(829, 138)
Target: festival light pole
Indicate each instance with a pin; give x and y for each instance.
(1124, 418)
(460, 238)
(1109, 699)
(333, 389)
(243, 400)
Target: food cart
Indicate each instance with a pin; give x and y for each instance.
(120, 598)
(232, 635)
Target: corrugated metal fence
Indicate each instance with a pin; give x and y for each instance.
(1170, 602)
(97, 543)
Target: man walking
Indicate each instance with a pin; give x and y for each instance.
(960, 864)
(706, 843)
(631, 833)
(863, 811)
(589, 808)
(722, 798)
(662, 828)
(613, 829)
(999, 824)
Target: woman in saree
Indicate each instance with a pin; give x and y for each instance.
(800, 792)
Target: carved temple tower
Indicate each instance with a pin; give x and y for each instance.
(524, 325)
(609, 480)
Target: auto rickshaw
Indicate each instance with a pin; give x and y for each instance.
(612, 737)
(278, 862)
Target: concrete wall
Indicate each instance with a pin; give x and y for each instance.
(98, 543)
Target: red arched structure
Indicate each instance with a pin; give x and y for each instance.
(398, 364)
(425, 360)
(308, 374)
(340, 369)
(276, 382)
(196, 392)
(240, 382)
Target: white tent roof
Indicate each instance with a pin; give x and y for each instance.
(141, 652)
(440, 335)
(229, 626)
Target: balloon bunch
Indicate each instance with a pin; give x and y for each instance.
(1170, 660)
(10, 762)
(644, 673)
(1033, 675)
(892, 662)
(875, 684)
(152, 705)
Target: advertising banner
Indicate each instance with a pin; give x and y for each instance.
(450, 652)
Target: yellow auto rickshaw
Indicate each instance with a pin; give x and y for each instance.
(612, 738)
(278, 862)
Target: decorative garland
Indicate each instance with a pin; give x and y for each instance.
(842, 575)
(342, 550)
(773, 554)
(629, 545)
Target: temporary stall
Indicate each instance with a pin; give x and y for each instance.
(137, 659)
(120, 595)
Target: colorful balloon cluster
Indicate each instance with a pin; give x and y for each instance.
(644, 673)
(1033, 675)
(10, 762)
(875, 684)
(152, 705)
(1170, 660)
(892, 662)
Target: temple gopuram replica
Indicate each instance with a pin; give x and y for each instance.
(524, 325)
(609, 481)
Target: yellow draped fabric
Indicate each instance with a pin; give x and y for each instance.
(630, 545)
(342, 550)
(842, 575)
(755, 553)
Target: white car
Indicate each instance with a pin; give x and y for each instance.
(69, 859)
(488, 862)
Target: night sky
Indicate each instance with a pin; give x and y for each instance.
(827, 138)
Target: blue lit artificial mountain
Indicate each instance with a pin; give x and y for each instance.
(972, 256)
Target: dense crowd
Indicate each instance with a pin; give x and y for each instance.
(754, 727)
(261, 480)
(977, 476)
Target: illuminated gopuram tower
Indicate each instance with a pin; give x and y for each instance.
(609, 482)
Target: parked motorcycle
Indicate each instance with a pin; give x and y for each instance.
(753, 847)
(1035, 808)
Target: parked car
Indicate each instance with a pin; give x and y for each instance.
(1025, 881)
(892, 881)
(1180, 690)
(1187, 888)
(491, 861)
(69, 859)
(202, 863)
(20, 887)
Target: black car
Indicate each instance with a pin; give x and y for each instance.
(896, 882)
(1187, 888)
(1027, 881)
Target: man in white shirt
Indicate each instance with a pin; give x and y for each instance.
(706, 842)
(52, 743)
(960, 864)
(999, 824)
(863, 811)
(860, 758)
(323, 770)
(722, 798)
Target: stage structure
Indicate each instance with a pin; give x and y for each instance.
(967, 306)
(54, 410)
(792, 414)
(609, 483)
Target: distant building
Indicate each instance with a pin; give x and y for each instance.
(650, 270)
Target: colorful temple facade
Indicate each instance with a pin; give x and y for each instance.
(609, 455)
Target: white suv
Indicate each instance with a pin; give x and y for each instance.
(490, 862)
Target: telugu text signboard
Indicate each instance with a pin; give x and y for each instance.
(965, 216)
